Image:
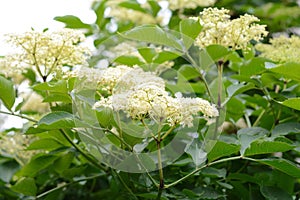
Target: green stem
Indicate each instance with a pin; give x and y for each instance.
(125, 185)
(168, 132)
(200, 168)
(120, 139)
(160, 168)
(67, 184)
(18, 115)
(259, 117)
(219, 103)
(86, 156)
(201, 76)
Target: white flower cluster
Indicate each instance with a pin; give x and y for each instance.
(34, 103)
(282, 49)
(105, 79)
(189, 4)
(47, 52)
(219, 29)
(125, 14)
(15, 145)
(142, 95)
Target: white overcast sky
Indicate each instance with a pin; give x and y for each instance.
(22, 15)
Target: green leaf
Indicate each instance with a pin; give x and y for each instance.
(243, 178)
(214, 172)
(196, 153)
(132, 5)
(57, 120)
(282, 165)
(37, 164)
(274, 193)
(235, 89)
(217, 52)
(72, 21)
(48, 144)
(8, 169)
(292, 103)
(70, 173)
(7, 94)
(222, 149)
(286, 128)
(248, 135)
(166, 56)
(128, 60)
(64, 162)
(189, 29)
(264, 147)
(155, 7)
(253, 66)
(60, 86)
(105, 117)
(235, 109)
(148, 54)
(150, 195)
(26, 186)
(189, 72)
(288, 70)
(249, 53)
(153, 34)
(99, 9)
(129, 163)
(58, 97)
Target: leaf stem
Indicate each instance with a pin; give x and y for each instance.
(67, 184)
(202, 167)
(18, 115)
(86, 156)
(219, 103)
(125, 185)
(161, 175)
(201, 76)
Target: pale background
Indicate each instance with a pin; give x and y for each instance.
(22, 15)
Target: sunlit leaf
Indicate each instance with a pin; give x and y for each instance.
(248, 135)
(222, 149)
(26, 186)
(7, 94)
(263, 147)
(283, 165)
(292, 103)
(288, 70)
(196, 153)
(153, 34)
(57, 120)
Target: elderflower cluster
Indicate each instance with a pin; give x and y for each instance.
(142, 95)
(5, 70)
(105, 79)
(15, 145)
(34, 103)
(189, 4)
(46, 52)
(282, 49)
(126, 14)
(219, 29)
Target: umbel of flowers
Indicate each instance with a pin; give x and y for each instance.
(46, 52)
(218, 28)
(142, 95)
(282, 49)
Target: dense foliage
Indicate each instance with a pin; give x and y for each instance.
(169, 103)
